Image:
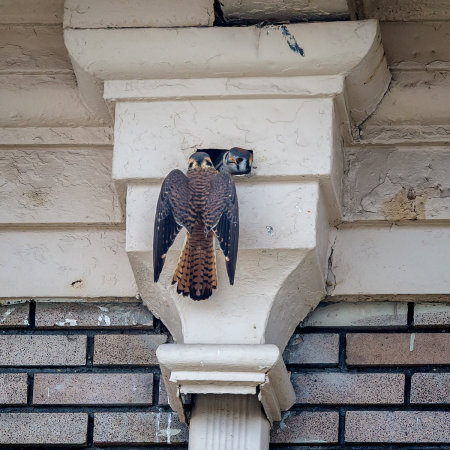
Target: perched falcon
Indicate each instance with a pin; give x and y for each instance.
(204, 202)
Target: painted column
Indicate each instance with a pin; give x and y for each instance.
(234, 422)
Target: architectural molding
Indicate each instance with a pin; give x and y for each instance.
(291, 50)
(390, 260)
(228, 421)
(139, 13)
(289, 96)
(56, 136)
(226, 369)
(34, 262)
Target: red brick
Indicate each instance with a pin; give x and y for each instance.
(398, 349)
(312, 349)
(40, 350)
(306, 427)
(432, 315)
(430, 388)
(93, 315)
(139, 428)
(397, 426)
(15, 315)
(93, 389)
(123, 349)
(13, 389)
(43, 428)
(348, 388)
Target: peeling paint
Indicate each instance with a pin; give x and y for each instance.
(70, 322)
(6, 314)
(157, 426)
(169, 422)
(405, 205)
(104, 318)
(285, 416)
(411, 342)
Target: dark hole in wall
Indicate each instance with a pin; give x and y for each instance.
(217, 154)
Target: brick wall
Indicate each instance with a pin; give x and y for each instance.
(373, 375)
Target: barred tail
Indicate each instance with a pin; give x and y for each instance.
(196, 273)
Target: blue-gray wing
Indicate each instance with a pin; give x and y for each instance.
(172, 212)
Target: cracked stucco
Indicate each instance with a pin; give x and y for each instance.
(71, 185)
(397, 183)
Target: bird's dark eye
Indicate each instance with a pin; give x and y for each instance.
(239, 160)
(208, 163)
(191, 165)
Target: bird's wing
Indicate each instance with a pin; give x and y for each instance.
(172, 212)
(222, 216)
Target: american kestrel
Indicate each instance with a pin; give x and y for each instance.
(204, 202)
(236, 161)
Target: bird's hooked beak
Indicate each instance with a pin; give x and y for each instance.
(230, 159)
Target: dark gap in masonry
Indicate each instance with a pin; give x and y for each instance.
(341, 430)
(408, 387)
(219, 20)
(342, 350)
(32, 313)
(410, 315)
(90, 430)
(30, 388)
(90, 350)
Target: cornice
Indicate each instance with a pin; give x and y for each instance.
(350, 49)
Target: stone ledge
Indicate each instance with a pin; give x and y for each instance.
(92, 315)
(138, 13)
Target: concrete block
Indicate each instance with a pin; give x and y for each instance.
(120, 349)
(139, 428)
(398, 349)
(93, 389)
(16, 315)
(93, 315)
(13, 388)
(43, 428)
(39, 350)
(397, 426)
(374, 314)
(312, 349)
(349, 388)
(306, 428)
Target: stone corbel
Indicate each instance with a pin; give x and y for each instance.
(227, 369)
(290, 93)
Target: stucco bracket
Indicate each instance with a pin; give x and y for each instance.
(351, 49)
(176, 90)
(226, 369)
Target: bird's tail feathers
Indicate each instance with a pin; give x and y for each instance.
(196, 273)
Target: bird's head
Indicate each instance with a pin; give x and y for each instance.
(199, 161)
(238, 160)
